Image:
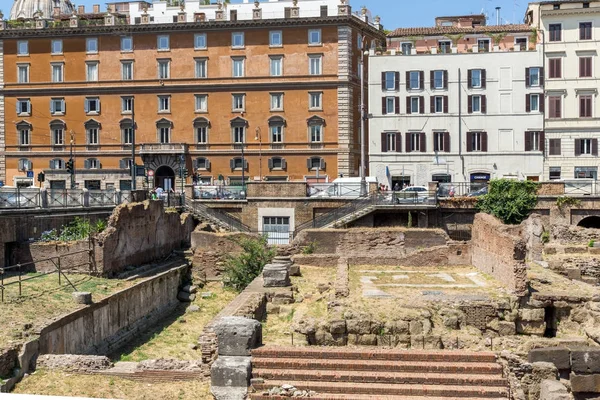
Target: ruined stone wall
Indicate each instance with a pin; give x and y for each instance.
(29, 252)
(139, 233)
(497, 252)
(8, 361)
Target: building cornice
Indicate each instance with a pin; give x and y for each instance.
(188, 27)
(570, 11)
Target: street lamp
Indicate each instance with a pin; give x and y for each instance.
(258, 137)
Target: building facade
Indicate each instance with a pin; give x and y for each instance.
(571, 31)
(457, 104)
(226, 97)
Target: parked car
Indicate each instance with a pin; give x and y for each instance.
(480, 192)
(412, 194)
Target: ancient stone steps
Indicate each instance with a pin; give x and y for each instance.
(363, 373)
(325, 396)
(386, 389)
(409, 378)
(391, 366)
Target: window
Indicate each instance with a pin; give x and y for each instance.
(586, 173)
(276, 65)
(476, 79)
(585, 106)
(441, 141)
(57, 72)
(586, 4)
(126, 43)
(316, 163)
(162, 42)
(164, 134)
(202, 134)
(390, 105)
(556, 6)
(406, 48)
(202, 163)
(585, 67)
(414, 105)
(389, 142)
(92, 135)
(57, 164)
(91, 45)
(164, 69)
(91, 71)
(126, 163)
(164, 104)
(316, 133)
(555, 105)
(314, 67)
(534, 103)
(521, 43)
(238, 102)
(554, 173)
(201, 67)
(237, 40)
(57, 106)
(92, 105)
(24, 131)
(92, 163)
(275, 38)
(238, 66)
(390, 80)
(276, 133)
(276, 101)
(200, 41)
(56, 46)
(438, 104)
(201, 101)
(237, 163)
(23, 107)
(555, 65)
(25, 164)
(534, 141)
(314, 37)
(315, 100)
(533, 76)
(277, 163)
(586, 147)
(477, 104)
(555, 32)
(126, 105)
(476, 141)
(58, 135)
(585, 31)
(127, 70)
(127, 134)
(445, 46)
(22, 47)
(555, 149)
(416, 141)
(414, 80)
(483, 45)
(239, 134)
(23, 73)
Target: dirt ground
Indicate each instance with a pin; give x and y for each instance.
(56, 383)
(43, 299)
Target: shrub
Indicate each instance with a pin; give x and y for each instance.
(509, 200)
(311, 248)
(566, 201)
(242, 269)
(79, 229)
(591, 243)
(545, 238)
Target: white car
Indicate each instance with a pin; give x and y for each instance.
(412, 194)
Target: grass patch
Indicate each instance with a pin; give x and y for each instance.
(173, 337)
(43, 299)
(57, 383)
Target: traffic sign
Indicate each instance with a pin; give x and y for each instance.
(30, 174)
(150, 172)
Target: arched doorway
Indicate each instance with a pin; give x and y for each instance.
(164, 177)
(590, 222)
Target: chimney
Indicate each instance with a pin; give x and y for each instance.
(96, 8)
(56, 11)
(498, 15)
(80, 9)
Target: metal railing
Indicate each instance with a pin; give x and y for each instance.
(333, 190)
(582, 187)
(64, 198)
(18, 271)
(219, 192)
(19, 198)
(102, 198)
(461, 189)
(217, 216)
(277, 238)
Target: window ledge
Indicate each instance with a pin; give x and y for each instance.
(238, 47)
(58, 114)
(276, 110)
(315, 109)
(201, 49)
(24, 115)
(92, 113)
(201, 111)
(163, 50)
(126, 51)
(165, 112)
(315, 45)
(275, 46)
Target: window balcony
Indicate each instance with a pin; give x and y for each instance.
(163, 148)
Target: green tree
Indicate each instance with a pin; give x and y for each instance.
(509, 200)
(242, 269)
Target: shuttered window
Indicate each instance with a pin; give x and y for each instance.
(585, 67)
(555, 68)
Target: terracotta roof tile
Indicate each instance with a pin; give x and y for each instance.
(441, 30)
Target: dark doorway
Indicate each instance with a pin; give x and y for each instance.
(590, 222)
(164, 177)
(551, 322)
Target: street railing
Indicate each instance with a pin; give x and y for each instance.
(19, 198)
(334, 189)
(581, 187)
(219, 192)
(32, 198)
(461, 189)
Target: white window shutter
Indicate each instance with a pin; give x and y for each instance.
(207, 164)
(21, 166)
(29, 106)
(52, 109)
(98, 103)
(51, 164)
(309, 163)
(86, 106)
(245, 164)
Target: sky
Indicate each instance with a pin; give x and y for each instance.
(394, 14)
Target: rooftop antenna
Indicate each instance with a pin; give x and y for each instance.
(498, 15)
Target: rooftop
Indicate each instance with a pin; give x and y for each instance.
(444, 30)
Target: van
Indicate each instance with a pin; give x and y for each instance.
(341, 187)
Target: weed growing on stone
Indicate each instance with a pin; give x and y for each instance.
(242, 269)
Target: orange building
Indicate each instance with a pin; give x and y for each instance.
(271, 99)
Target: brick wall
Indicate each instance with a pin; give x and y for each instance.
(30, 252)
(276, 189)
(551, 189)
(497, 252)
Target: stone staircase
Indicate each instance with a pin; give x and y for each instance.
(357, 374)
(346, 219)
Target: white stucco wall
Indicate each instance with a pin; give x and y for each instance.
(505, 126)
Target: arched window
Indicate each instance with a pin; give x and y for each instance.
(315, 163)
(201, 127)
(92, 132)
(24, 133)
(25, 164)
(316, 127)
(126, 125)
(92, 163)
(57, 132)
(238, 130)
(163, 130)
(277, 163)
(57, 163)
(202, 163)
(276, 128)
